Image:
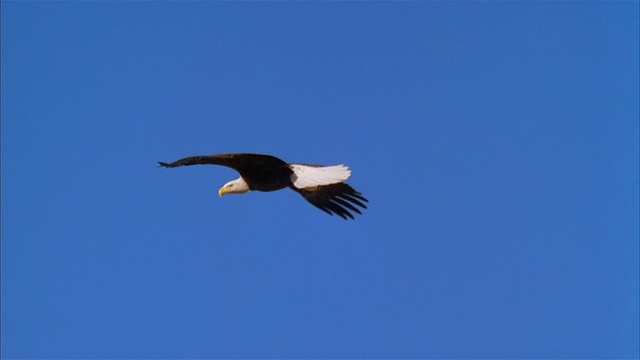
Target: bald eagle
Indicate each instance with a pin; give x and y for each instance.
(322, 186)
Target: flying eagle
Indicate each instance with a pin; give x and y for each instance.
(322, 186)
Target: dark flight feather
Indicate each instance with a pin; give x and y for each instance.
(328, 198)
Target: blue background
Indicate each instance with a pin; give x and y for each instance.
(497, 143)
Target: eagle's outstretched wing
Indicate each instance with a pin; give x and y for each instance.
(198, 160)
(239, 162)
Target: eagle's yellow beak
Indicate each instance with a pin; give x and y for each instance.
(222, 191)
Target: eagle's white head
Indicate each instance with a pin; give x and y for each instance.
(237, 186)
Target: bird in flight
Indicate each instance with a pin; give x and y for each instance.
(322, 186)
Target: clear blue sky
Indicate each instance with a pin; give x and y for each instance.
(497, 143)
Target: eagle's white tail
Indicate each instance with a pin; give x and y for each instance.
(305, 176)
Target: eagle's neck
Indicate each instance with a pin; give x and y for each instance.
(241, 186)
